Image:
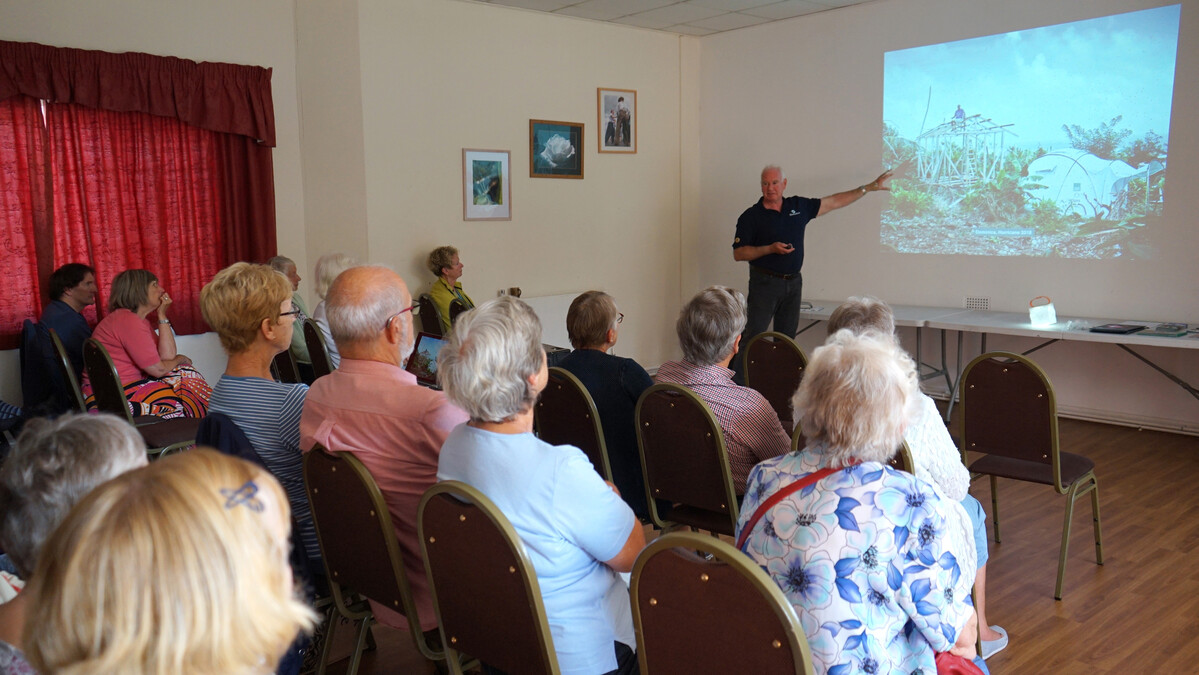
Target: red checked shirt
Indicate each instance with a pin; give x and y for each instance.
(752, 431)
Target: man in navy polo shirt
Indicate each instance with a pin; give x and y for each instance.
(72, 288)
(770, 238)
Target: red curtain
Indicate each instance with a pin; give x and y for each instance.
(143, 161)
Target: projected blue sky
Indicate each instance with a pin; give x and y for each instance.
(1083, 73)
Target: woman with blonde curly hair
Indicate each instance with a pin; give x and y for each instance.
(445, 264)
(178, 567)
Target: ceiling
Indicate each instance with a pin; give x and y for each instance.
(687, 17)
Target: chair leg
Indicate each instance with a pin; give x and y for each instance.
(1061, 558)
(1095, 517)
(995, 507)
(334, 619)
(364, 631)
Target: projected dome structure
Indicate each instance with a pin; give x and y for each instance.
(961, 152)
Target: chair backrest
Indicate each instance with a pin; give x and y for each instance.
(106, 383)
(456, 307)
(566, 415)
(71, 395)
(37, 378)
(321, 363)
(902, 459)
(488, 600)
(284, 368)
(218, 430)
(1009, 410)
(774, 366)
(355, 532)
(430, 320)
(683, 454)
(720, 615)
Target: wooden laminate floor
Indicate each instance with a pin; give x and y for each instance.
(1138, 613)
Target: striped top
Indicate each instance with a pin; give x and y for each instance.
(752, 431)
(269, 414)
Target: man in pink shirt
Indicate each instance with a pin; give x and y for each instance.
(371, 407)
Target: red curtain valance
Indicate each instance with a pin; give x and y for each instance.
(220, 97)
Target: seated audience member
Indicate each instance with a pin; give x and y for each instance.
(709, 329)
(575, 528)
(934, 454)
(215, 598)
(158, 380)
(249, 307)
(72, 288)
(299, 348)
(55, 464)
(615, 384)
(443, 262)
(373, 408)
(864, 544)
(327, 268)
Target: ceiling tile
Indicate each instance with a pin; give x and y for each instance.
(541, 5)
(670, 15)
(786, 10)
(728, 22)
(689, 30)
(732, 5)
(615, 8)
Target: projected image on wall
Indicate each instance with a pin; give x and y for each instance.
(1043, 142)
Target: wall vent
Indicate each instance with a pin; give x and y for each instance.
(978, 303)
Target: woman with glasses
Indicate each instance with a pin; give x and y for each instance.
(157, 379)
(249, 306)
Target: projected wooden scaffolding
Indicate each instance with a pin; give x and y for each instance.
(961, 152)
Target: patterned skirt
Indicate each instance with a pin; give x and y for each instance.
(183, 392)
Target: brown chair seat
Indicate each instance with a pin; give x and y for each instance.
(1073, 467)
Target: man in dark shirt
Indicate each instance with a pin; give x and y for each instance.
(72, 287)
(770, 237)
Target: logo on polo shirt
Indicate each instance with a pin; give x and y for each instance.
(793, 213)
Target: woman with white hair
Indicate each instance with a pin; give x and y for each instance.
(877, 562)
(577, 531)
(934, 454)
(215, 598)
(328, 267)
(54, 465)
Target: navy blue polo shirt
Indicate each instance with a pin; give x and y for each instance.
(72, 330)
(760, 226)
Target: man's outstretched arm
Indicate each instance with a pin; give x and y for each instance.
(840, 199)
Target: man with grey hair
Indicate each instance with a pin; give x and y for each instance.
(373, 408)
(299, 347)
(709, 328)
(770, 238)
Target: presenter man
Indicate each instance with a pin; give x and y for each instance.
(770, 238)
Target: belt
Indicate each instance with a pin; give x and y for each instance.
(771, 273)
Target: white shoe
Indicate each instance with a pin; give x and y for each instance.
(993, 647)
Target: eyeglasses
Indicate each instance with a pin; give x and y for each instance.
(415, 309)
(294, 312)
(619, 317)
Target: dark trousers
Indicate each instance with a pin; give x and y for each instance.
(626, 662)
(770, 299)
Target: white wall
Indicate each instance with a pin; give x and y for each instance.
(260, 33)
(807, 94)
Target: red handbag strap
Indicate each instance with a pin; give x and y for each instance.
(776, 498)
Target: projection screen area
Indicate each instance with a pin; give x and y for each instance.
(1047, 142)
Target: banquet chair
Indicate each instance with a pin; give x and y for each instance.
(1009, 414)
(566, 415)
(162, 436)
(71, 396)
(285, 369)
(684, 461)
(317, 351)
(359, 547)
(485, 589)
(38, 375)
(901, 460)
(682, 602)
(774, 366)
(456, 307)
(430, 321)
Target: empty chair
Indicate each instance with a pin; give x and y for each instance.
(321, 363)
(774, 366)
(359, 547)
(162, 436)
(566, 415)
(488, 600)
(717, 614)
(1009, 414)
(685, 462)
(429, 321)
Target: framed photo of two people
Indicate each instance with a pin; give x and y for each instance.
(617, 117)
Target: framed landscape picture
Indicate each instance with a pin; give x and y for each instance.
(486, 185)
(617, 110)
(555, 149)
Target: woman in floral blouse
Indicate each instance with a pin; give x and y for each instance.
(877, 562)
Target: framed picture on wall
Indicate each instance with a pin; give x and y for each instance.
(486, 185)
(555, 149)
(617, 110)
